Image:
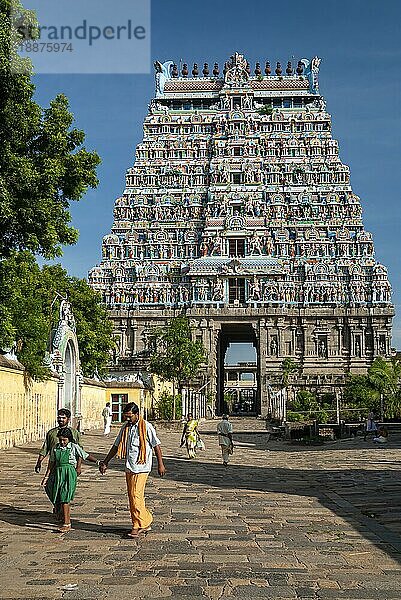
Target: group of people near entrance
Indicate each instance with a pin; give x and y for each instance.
(135, 443)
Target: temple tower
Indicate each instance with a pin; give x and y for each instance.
(239, 211)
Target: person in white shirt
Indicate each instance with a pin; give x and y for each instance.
(225, 432)
(107, 417)
(134, 444)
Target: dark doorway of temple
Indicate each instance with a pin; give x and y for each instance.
(238, 387)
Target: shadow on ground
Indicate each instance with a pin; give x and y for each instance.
(374, 495)
(368, 499)
(40, 519)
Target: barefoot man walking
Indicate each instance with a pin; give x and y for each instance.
(134, 444)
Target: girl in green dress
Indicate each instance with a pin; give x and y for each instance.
(60, 479)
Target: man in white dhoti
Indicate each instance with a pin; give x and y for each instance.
(107, 417)
(225, 432)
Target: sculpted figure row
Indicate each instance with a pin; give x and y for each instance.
(258, 291)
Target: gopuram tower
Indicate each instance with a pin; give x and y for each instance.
(239, 211)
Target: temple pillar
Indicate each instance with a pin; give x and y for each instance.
(262, 362)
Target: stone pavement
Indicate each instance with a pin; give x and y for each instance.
(281, 522)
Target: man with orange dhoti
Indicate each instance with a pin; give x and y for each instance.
(134, 444)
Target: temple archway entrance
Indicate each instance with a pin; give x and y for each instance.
(69, 377)
(238, 379)
(64, 359)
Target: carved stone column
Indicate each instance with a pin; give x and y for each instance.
(309, 341)
(214, 357)
(262, 360)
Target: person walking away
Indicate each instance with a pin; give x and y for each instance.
(225, 432)
(60, 480)
(134, 445)
(190, 435)
(371, 426)
(107, 417)
(63, 420)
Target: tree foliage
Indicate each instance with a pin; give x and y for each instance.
(288, 367)
(43, 164)
(27, 316)
(382, 380)
(384, 376)
(306, 401)
(176, 357)
(360, 393)
(167, 405)
(307, 406)
(43, 168)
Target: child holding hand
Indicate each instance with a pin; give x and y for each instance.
(60, 480)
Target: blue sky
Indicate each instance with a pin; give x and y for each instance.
(360, 74)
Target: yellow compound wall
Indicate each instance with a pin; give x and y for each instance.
(28, 408)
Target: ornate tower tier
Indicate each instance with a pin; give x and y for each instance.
(239, 211)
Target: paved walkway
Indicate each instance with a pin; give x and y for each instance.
(281, 522)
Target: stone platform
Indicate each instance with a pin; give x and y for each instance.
(280, 522)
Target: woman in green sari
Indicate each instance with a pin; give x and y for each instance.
(190, 435)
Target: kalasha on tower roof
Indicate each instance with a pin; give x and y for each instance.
(236, 74)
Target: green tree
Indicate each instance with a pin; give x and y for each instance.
(360, 393)
(43, 167)
(167, 404)
(43, 164)
(27, 317)
(175, 356)
(307, 403)
(94, 327)
(384, 377)
(381, 385)
(288, 367)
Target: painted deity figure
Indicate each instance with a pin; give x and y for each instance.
(216, 246)
(255, 290)
(226, 103)
(255, 244)
(247, 102)
(322, 349)
(218, 291)
(273, 347)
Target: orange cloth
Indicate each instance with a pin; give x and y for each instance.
(142, 441)
(122, 446)
(141, 517)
